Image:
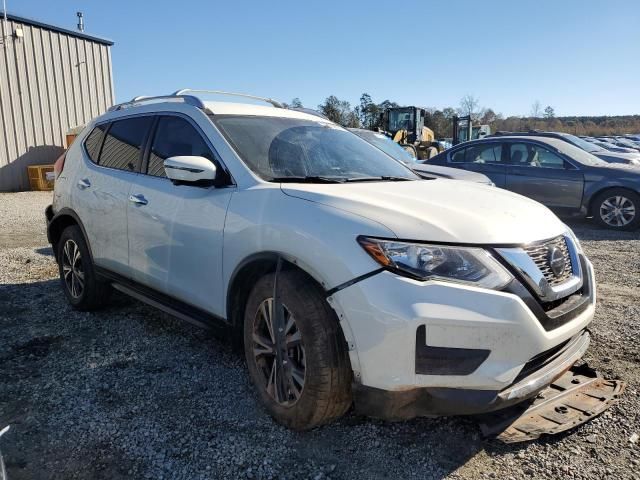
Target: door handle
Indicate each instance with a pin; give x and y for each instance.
(84, 183)
(138, 199)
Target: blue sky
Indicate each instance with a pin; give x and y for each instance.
(581, 57)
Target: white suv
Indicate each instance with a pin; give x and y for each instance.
(347, 278)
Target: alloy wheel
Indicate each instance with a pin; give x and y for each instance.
(72, 269)
(617, 211)
(279, 352)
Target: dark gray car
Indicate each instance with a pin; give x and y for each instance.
(398, 153)
(559, 175)
(597, 148)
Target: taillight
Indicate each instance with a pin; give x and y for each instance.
(59, 165)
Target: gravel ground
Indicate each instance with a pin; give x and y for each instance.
(133, 393)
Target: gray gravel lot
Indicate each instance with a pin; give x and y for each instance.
(133, 393)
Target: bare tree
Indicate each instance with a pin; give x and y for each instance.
(469, 106)
(536, 109)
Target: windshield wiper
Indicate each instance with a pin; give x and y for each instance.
(383, 178)
(308, 179)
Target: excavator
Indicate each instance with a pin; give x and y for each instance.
(405, 125)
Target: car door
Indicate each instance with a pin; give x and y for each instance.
(537, 172)
(175, 231)
(482, 157)
(112, 154)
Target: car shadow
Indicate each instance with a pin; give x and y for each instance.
(103, 366)
(587, 229)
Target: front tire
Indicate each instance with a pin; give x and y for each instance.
(617, 209)
(82, 287)
(298, 361)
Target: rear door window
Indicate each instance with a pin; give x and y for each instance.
(124, 142)
(174, 137)
(93, 142)
(458, 156)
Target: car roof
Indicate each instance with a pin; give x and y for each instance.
(555, 142)
(208, 107)
(232, 108)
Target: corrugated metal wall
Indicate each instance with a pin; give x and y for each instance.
(50, 81)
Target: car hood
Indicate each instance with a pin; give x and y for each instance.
(617, 157)
(439, 210)
(616, 170)
(451, 173)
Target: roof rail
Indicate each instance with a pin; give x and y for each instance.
(181, 96)
(188, 99)
(275, 103)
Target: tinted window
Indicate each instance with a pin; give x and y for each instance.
(519, 154)
(123, 143)
(458, 156)
(175, 136)
(534, 156)
(484, 153)
(94, 142)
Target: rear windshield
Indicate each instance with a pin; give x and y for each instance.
(278, 147)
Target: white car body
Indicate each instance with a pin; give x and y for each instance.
(190, 242)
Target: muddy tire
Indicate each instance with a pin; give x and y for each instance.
(82, 287)
(617, 209)
(303, 376)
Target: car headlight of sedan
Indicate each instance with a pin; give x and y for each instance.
(469, 265)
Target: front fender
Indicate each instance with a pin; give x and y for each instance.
(319, 239)
(593, 188)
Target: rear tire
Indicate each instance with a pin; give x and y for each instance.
(309, 383)
(617, 209)
(81, 285)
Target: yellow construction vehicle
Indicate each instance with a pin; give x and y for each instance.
(405, 125)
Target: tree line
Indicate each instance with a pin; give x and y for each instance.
(367, 114)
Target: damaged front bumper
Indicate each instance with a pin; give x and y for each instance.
(550, 396)
(436, 401)
(574, 398)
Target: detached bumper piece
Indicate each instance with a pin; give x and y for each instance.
(574, 398)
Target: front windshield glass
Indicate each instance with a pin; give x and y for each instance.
(579, 154)
(277, 148)
(627, 143)
(401, 119)
(387, 145)
(583, 144)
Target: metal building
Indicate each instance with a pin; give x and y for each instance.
(51, 80)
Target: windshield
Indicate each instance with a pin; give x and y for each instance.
(401, 120)
(387, 145)
(277, 148)
(583, 144)
(579, 154)
(626, 143)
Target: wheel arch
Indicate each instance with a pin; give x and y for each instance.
(594, 196)
(247, 273)
(61, 220)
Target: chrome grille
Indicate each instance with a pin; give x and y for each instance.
(539, 253)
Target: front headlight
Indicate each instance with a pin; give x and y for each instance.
(470, 265)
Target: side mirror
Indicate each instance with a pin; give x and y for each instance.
(189, 169)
